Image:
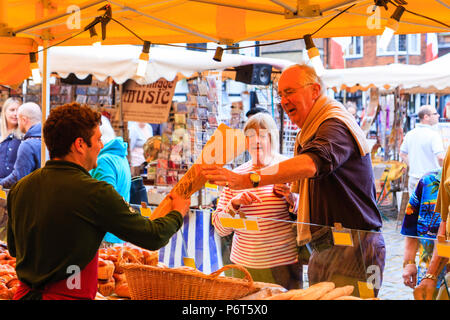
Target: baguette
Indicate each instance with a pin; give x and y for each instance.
(315, 291)
(348, 298)
(338, 292)
(285, 295)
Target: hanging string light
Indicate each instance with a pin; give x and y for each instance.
(314, 55)
(35, 72)
(391, 27)
(143, 59)
(96, 42)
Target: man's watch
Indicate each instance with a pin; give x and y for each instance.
(255, 178)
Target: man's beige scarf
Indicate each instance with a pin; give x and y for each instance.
(324, 108)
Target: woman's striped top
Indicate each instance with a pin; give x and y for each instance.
(274, 244)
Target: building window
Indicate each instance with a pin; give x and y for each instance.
(354, 48)
(401, 44)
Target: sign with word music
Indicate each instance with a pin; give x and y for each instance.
(147, 103)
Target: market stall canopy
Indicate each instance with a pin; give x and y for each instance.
(15, 52)
(437, 84)
(432, 76)
(223, 22)
(120, 62)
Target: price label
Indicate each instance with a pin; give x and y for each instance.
(342, 238)
(251, 225)
(211, 186)
(235, 223)
(443, 248)
(189, 262)
(146, 212)
(366, 290)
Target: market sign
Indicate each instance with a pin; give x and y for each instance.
(147, 103)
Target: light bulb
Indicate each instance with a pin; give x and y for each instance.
(314, 55)
(317, 64)
(391, 27)
(143, 60)
(218, 54)
(142, 67)
(35, 72)
(385, 38)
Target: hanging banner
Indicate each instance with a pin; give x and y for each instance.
(147, 103)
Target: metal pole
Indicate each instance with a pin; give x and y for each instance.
(285, 6)
(45, 87)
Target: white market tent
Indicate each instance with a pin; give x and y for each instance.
(430, 77)
(120, 62)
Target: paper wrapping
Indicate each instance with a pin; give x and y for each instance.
(224, 145)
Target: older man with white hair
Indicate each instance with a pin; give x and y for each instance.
(422, 148)
(29, 152)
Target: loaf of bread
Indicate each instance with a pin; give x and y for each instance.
(315, 291)
(105, 269)
(338, 292)
(106, 287)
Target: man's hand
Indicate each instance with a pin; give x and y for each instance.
(224, 177)
(425, 290)
(284, 190)
(179, 203)
(410, 275)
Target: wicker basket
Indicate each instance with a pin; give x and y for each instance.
(157, 283)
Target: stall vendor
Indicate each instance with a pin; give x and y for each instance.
(59, 214)
(332, 171)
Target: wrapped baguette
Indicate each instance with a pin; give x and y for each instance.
(338, 292)
(223, 146)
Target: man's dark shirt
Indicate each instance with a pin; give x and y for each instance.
(343, 189)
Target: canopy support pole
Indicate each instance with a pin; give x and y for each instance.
(45, 87)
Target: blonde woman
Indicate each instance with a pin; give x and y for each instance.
(270, 255)
(10, 136)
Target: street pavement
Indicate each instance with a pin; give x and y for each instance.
(393, 287)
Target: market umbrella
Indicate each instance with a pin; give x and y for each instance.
(433, 75)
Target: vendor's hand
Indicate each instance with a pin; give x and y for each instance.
(224, 177)
(179, 203)
(410, 275)
(245, 198)
(425, 290)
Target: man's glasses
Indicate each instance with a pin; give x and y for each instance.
(290, 91)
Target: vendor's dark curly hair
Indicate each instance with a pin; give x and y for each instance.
(65, 124)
